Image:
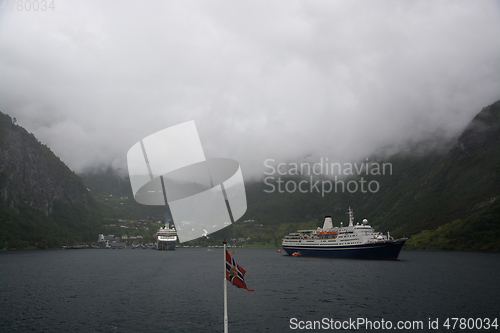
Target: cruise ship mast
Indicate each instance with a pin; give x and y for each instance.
(351, 216)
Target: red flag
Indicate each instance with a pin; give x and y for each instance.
(235, 273)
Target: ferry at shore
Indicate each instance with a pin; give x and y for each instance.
(358, 241)
(166, 238)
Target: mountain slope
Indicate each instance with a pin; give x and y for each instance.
(465, 189)
(442, 194)
(31, 174)
(424, 192)
(468, 175)
(43, 203)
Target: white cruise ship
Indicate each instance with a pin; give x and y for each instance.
(358, 241)
(166, 238)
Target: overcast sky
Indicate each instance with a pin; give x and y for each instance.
(284, 80)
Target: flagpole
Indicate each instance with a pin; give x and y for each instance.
(225, 291)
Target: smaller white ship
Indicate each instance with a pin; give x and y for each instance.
(166, 238)
(358, 241)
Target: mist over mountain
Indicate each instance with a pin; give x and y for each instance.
(293, 81)
(350, 84)
(450, 199)
(443, 194)
(437, 189)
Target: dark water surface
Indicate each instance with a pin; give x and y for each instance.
(181, 291)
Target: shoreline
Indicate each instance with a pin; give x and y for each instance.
(405, 248)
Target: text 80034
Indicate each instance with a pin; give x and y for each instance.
(28, 5)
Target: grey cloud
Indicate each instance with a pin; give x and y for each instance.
(269, 79)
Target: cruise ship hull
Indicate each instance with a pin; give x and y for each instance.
(386, 250)
(165, 245)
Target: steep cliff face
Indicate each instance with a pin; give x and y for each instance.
(465, 189)
(31, 175)
(448, 199)
(454, 184)
(482, 134)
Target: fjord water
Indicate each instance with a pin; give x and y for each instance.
(181, 291)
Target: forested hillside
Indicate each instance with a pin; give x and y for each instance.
(443, 199)
(43, 203)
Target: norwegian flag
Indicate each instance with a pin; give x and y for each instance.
(235, 273)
